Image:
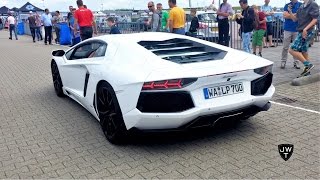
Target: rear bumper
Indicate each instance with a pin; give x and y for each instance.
(185, 119)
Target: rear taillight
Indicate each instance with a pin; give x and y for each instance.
(264, 70)
(168, 84)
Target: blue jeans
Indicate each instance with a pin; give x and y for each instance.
(12, 28)
(179, 31)
(246, 41)
(38, 33)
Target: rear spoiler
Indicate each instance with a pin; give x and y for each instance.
(58, 53)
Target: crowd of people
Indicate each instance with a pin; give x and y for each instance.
(255, 26)
(299, 28)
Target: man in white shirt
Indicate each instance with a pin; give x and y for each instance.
(47, 23)
(12, 26)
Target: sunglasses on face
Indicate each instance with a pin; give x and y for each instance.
(150, 6)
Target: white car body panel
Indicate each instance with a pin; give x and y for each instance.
(127, 65)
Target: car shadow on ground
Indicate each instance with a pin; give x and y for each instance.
(219, 132)
(223, 130)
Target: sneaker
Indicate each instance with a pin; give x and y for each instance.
(260, 54)
(306, 74)
(307, 69)
(254, 53)
(283, 64)
(296, 65)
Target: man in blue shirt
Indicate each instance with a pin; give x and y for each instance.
(290, 31)
(268, 11)
(47, 22)
(111, 23)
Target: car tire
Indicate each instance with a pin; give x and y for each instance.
(110, 115)
(56, 78)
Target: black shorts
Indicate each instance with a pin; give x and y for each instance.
(86, 33)
(269, 30)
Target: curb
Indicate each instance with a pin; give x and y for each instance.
(306, 80)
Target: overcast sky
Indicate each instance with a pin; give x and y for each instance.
(95, 5)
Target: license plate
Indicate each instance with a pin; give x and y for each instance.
(223, 90)
(214, 29)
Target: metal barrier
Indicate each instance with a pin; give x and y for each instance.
(209, 31)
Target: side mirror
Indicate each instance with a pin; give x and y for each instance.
(58, 53)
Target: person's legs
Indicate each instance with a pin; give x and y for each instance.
(254, 42)
(57, 30)
(10, 31)
(37, 33)
(220, 31)
(33, 33)
(46, 31)
(295, 61)
(226, 34)
(15, 31)
(50, 34)
(270, 41)
(40, 33)
(259, 41)
(246, 41)
(299, 50)
(287, 37)
(269, 33)
(305, 55)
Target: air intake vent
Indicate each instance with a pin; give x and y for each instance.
(183, 50)
(261, 85)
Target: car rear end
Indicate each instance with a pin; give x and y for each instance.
(206, 87)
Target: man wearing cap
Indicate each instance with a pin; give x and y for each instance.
(32, 25)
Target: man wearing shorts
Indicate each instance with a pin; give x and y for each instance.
(268, 11)
(307, 17)
(257, 38)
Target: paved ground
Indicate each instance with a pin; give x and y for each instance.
(42, 136)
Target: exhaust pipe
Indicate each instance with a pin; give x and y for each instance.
(266, 107)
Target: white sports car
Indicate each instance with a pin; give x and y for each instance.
(161, 81)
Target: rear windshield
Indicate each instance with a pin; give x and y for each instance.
(183, 50)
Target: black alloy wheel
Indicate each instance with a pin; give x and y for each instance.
(110, 114)
(57, 83)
